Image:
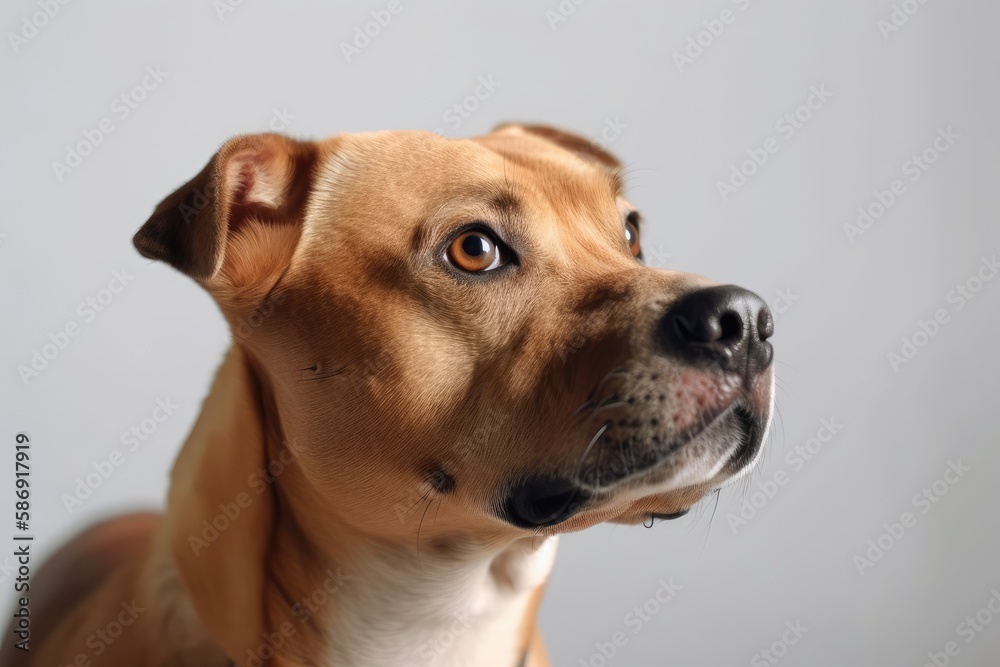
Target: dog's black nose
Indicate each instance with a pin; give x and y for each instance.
(725, 325)
(542, 501)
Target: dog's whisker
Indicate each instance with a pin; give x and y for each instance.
(617, 371)
(609, 406)
(422, 498)
(613, 373)
(711, 520)
(600, 463)
(781, 423)
(419, 527)
(437, 510)
(586, 451)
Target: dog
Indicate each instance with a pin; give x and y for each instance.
(445, 353)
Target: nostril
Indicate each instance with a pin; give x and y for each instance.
(731, 326)
(705, 330)
(765, 323)
(727, 328)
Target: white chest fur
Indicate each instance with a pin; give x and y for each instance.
(397, 612)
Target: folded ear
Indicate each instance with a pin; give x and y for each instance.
(235, 224)
(586, 149)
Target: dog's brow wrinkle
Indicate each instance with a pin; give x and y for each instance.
(505, 203)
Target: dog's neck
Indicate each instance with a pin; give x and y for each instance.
(390, 609)
(361, 602)
(356, 602)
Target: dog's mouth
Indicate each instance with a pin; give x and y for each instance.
(750, 424)
(724, 446)
(734, 432)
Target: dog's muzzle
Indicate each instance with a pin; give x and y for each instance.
(722, 331)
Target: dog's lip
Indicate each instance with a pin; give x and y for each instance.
(750, 422)
(576, 496)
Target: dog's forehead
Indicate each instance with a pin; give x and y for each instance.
(390, 180)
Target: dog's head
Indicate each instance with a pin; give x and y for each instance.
(459, 337)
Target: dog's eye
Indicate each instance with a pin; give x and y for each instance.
(476, 251)
(632, 233)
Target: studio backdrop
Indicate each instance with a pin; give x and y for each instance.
(838, 158)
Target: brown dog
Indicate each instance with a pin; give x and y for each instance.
(446, 352)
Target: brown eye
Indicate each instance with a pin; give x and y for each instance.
(475, 251)
(632, 233)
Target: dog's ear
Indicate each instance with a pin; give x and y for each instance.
(235, 224)
(574, 143)
(220, 511)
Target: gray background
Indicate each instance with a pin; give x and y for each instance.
(847, 305)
